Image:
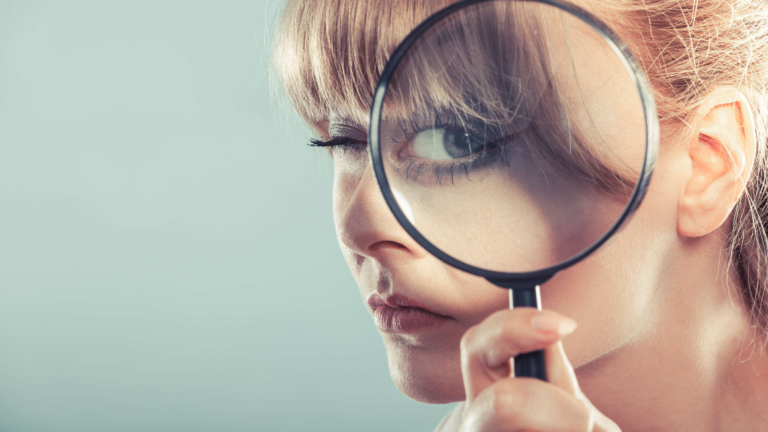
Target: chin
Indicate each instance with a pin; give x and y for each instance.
(425, 375)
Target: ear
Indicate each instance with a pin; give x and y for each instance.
(722, 152)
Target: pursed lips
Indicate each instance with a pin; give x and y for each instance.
(399, 314)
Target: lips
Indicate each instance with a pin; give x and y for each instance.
(399, 314)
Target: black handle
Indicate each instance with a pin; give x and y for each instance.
(528, 364)
(531, 365)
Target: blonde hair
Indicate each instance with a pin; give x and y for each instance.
(328, 55)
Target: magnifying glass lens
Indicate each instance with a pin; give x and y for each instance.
(512, 135)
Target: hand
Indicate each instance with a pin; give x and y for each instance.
(497, 402)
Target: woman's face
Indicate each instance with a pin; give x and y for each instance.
(422, 306)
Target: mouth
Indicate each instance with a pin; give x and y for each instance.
(399, 314)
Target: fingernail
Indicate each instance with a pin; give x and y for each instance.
(549, 322)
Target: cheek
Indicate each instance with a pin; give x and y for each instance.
(615, 293)
(514, 216)
(343, 190)
(347, 175)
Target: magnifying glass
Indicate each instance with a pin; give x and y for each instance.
(511, 139)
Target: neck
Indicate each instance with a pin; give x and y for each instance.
(696, 365)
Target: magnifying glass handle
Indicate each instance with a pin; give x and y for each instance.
(529, 364)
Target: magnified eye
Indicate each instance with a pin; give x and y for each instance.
(446, 144)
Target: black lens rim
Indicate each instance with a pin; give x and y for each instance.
(649, 162)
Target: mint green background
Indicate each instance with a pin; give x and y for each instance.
(167, 255)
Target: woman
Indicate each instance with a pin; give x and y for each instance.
(672, 315)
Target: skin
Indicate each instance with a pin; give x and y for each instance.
(663, 341)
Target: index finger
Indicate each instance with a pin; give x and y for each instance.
(487, 348)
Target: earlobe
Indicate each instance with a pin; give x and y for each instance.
(722, 152)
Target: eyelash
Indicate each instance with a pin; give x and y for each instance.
(414, 170)
(342, 143)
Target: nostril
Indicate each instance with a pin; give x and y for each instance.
(386, 244)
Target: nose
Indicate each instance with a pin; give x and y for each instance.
(365, 224)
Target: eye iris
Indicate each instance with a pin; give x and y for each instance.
(441, 144)
(460, 144)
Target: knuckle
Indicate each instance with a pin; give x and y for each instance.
(510, 400)
(515, 325)
(509, 331)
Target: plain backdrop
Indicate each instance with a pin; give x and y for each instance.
(167, 254)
